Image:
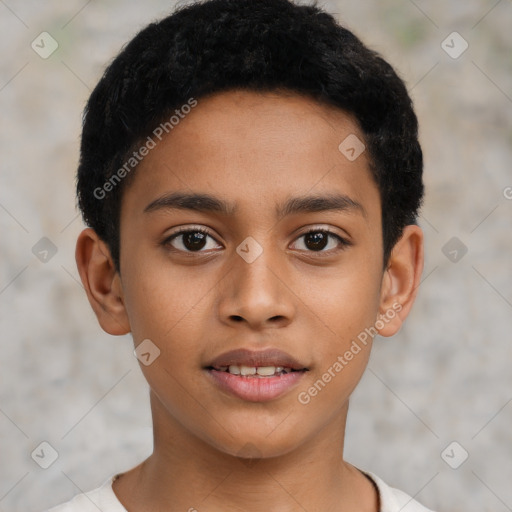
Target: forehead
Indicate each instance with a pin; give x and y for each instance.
(255, 149)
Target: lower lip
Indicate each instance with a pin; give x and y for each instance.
(256, 389)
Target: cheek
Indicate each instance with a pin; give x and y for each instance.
(346, 304)
(346, 310)
(168, 305)
(162, 298)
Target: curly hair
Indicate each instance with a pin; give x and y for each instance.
(259, 45)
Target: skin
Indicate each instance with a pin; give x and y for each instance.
(256, 151)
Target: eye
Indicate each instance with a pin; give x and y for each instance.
(317, 239)
(189, 240)
(195, 239)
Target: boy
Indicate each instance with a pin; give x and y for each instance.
(251, 176)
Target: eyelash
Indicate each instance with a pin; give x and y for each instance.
(343, 242)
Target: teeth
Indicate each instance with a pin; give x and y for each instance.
(234, 369)
(247, 370)
(266, 370)
(263, 371)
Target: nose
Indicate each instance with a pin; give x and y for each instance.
(258, 293)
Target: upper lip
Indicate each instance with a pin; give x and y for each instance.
(245, 357)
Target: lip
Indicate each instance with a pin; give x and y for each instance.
(268, 357)
(256, 389)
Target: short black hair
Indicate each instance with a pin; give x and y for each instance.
(258, 45)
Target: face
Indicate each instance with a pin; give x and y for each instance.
(281, 264)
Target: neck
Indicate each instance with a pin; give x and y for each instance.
(187, 473)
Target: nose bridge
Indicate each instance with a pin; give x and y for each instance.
(255, 289)
(258, 262)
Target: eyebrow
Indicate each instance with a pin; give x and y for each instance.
(208, 203)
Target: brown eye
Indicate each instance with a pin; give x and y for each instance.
(317, 240)
(194, 240)
(189, 240)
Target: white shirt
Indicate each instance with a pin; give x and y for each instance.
(104, 499)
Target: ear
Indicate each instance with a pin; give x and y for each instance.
(400, 281)
(102, 282)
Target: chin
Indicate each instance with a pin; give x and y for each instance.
(256, 445)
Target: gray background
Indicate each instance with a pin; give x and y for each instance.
(445, 377)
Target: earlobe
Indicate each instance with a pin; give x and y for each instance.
(102, 282)
(400, 281)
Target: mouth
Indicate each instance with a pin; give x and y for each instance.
(254, 371)
(243, 361)
(256, 376)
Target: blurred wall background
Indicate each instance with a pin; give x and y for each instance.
(444, 379)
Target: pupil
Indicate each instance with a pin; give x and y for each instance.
(319, 240)
(196, 240)
(191, 239)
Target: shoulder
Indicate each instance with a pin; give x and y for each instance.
(102, 498)
(394, 500)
